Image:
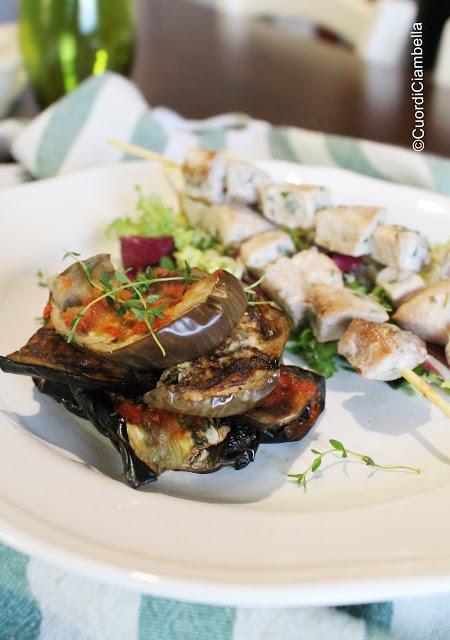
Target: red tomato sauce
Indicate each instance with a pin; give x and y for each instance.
(289, 387)
(156, 420)
(102, 319)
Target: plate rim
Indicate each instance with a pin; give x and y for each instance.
(234, 594)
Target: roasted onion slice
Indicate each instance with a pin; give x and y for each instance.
(293, 407)
(234, 377)
(193, 317)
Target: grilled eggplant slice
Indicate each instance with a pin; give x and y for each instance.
(235, 377)
(151, 441)
(47, 355)
(61, 393)
(167, 441)
(293, 407)
(193, 318)
(99, 408)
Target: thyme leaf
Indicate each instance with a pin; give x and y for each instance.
(302, 479)
(138, 304)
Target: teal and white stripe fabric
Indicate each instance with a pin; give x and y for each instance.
(74, 133)
(41, 602)
(38, 601)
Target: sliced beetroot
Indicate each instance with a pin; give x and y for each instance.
(437, 351)
(347, 264)
(139, 252)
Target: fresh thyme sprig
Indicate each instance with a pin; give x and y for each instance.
(139, 303)
(249, 290)
(251, 293)
(254, 303)
(88, 271)
(338, 447)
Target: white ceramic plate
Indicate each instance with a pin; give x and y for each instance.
(249, 537)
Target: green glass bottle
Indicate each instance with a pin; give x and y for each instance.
(65, 41)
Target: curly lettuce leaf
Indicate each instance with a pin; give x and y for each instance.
(153, 219)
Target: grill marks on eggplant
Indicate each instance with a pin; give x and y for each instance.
(202, 415)
(235, 376)
(197, 445)
(47, 355)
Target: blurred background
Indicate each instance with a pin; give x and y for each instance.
(338, 66)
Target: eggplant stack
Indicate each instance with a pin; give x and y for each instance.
(177, 369)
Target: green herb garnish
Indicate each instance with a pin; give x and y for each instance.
(251, 295)
(168, 263)
(356, 286)
(377, 292)
(382, 297)
(300, 239)
(428, 376)
(320, 356)
(154, 219)
(337, 447)
(141, 303)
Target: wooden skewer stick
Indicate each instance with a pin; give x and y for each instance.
(414, 380)
(141, 152)
(427, 391)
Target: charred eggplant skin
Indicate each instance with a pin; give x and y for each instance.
(61, 393)
(98, 408)
(276, 421)
(237, 450)
(240, 446)
(47, 355)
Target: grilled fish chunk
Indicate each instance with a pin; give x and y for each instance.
(400, 248)
(242, 180)
(399, 284)
(427, 314)
(381, 351)
(257, 252)
(292, 205)
(347, 230)
(231, 223)
(204, 173)
(316, 267)
(235, 223)
(332, 310)
(287, 281)
(234, 377)
(199, 213)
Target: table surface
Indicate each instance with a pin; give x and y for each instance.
(199, 62)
